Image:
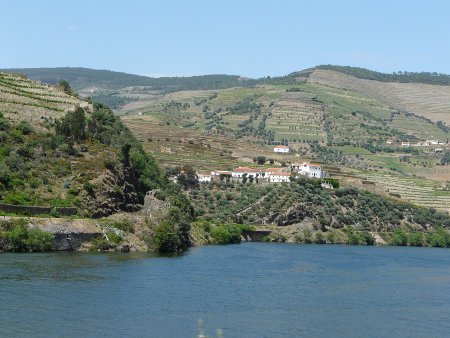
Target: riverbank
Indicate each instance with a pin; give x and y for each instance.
(133, 232)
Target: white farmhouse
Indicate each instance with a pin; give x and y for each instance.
(309, 169)
(281, 149)
(254, 172)
(279, 177)
(203, 178)
(217, 173)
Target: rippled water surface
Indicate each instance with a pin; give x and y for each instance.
(248, 290)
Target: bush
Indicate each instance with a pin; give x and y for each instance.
(319, 238)
(21, 238)
(368, 238)
(400, 238)
(354, 238)
(99, 243)
(440, 238)
(124, 225)
(226, 234)
(416, 239)
(166, 237)
(114, 238)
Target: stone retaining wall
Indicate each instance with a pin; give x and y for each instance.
(35, 210)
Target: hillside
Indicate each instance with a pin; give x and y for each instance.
(402, 77)
(60, 151)
(355, 133)
(430, 101)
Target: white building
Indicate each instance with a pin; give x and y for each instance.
(281, 149)
(217, 173)
(203, 178)
(279, 177)
(309, 169)
(254, 172)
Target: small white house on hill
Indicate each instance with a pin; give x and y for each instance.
(203, 178)
(309, 169)
(254, 172)
(281, 149)
(279, 177)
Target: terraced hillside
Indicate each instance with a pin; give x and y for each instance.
(59, 151)
(426, 100)
(419, 191)
(23, 99)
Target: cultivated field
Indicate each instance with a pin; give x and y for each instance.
(418, 191)
(422, 99)
(23, 99)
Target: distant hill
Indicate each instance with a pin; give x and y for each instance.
(428, 100)
(403, 77)
(82, 78)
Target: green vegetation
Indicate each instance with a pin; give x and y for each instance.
(172, 234)
(17, 237)
(357, 211)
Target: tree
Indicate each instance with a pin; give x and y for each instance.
(172, 234)
(261, 160)
(66, 88)
(188, 177)
(73, 125)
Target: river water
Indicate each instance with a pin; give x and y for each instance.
(247, 290)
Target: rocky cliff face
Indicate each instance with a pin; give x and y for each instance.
(68, 234)
(115, 191)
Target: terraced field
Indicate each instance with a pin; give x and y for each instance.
(173, 145)
(419, 128)
(297, 121)
(418, 191)
(23, 99)
(426, 100)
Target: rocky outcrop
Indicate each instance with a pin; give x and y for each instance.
(68, 234)
(115, 191)
(295, 214)
(152, 204)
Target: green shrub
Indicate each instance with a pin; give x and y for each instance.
(100, 243)
(226, 234)
(307, 235)
(400, 238)
(89, 187)
(367, 238)
(439, 238)
(22, 238)
(124, 225)
(166, 237)
(416, 239)
(24, 127)
(319, 238)
(354, 237)
(114, 238)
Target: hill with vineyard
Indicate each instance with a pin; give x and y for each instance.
(62, 151)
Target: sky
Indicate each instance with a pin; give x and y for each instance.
(241, 37)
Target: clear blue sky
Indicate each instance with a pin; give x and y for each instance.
(244, 37)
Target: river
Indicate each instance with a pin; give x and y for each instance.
(248, 290)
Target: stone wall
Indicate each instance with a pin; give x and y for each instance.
(35, 210)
